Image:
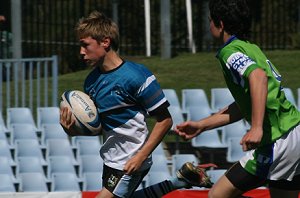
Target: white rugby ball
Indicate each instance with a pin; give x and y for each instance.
(87, 119)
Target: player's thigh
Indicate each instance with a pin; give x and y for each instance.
(279, 193)
(223, 188)
(104, 193)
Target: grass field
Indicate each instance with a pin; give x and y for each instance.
(199, 70)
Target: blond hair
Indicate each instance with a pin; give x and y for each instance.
(98, 26)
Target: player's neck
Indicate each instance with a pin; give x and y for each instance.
(111, 61)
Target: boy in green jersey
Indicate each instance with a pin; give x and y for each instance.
(273, 141)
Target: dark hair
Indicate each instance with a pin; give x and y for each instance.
(235, 15)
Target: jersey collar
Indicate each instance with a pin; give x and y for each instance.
(232, 38)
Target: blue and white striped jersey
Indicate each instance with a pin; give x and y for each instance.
(124, 97)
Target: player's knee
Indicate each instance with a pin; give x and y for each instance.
(213, 194)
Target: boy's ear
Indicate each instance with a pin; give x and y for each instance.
(105, 42)
(221, 25)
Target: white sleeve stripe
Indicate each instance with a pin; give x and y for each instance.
(148, 81)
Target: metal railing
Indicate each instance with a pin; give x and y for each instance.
(29, 82)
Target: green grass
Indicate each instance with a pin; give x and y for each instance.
(199, 70)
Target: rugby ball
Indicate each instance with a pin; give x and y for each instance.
(87, 119)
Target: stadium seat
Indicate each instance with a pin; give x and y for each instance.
(234, 151)
(60, 164)
(237, 129)
(74, 140)
(176, 114)
(208, 139)
(215, 174)
(5, 151)
(60, 147)
(2, 135)
(88, 147)
(5, 168)
(172, 97)
(29, 148)
(3, 125)
(33, 182)
(92, 181)
(220, 98)
(160, 163)
(90, 163)
(159, 150)
(19, 115)
(29, 165)
(6, 184)
(52, 131)
(47, 115)
(289, 95)
(198, 113)
(23, 132)
(179, 159)
(194, 98)
(65, 182)
(154, 177)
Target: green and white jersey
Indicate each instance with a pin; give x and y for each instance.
(238, 59)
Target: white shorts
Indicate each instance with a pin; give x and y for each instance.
(280, 160)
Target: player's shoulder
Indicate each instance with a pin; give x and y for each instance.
(137, 68)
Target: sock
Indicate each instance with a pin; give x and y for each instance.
(155, 191)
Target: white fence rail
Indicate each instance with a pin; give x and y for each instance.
(28, 82)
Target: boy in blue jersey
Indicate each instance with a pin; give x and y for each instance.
(273, 141)
(125, 93)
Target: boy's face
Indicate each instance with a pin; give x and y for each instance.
(91, 50)
(214, 30)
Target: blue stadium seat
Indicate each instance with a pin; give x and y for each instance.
(198, 113)
(154, 177)
(88, 147)
(237, 129)
(6, 184)
(172, 97)
(47, 115)
(19, 115)
(289, 95)
(160, 163)
(215, 174)
(29, 148)
(90, 163)
(52, 131)
(29, 165)
(220, 98)
(234, 151)
(176, 114)
(23, 132)
(60, 147)
(65, 182)
(92, 181)
(194, 98)
(60, 164)
(33, 182)
(5, 168)
(5, 151)
(208, 139)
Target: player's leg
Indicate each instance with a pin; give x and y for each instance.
(234, 183)
(187, 176)
(117, 184)
(287, 149)
(284, 188)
